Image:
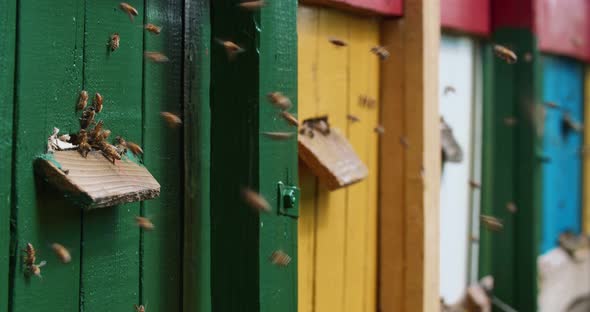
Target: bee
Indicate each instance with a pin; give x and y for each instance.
(528, 57)
(121, 145)
(35, 269)
(109, 151)
(492, 223)
(552, 105)
(231, 48)
(279, 100)
(127, 8)
(97, 129)
(144, 223)
(255, 200)
(379, 129)
(319, 124)
(87, 117)
(337, 42)
(83, 146)
(153, 28)
(505, 54)
(30, 255)
(114, 42)
(381, 52)
(139, 308)
(510, 206)
(290, 119)
(134, 148)
(279, 135)
(156, 57)
(105, 134)
(449, 89)
(280, 258)
(252, 5)
(474, 184)
(82, 100)
(353, 118)
(366, 101)
(172, 120)
(62, 253)
(510, 121)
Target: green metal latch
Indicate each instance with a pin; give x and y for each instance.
(288, 200)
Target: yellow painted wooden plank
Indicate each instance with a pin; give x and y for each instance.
(586, 184)
(360, 209)
(307, 27)
(332, 81)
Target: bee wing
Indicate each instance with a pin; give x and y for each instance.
(42, 263)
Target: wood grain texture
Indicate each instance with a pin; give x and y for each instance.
(381, 7)
(586, 158)
(197, 162)
(96, 180)
(331, 158)
(48, 79)
(7, 68)
(409, 177)
(161, 263)
(337, 230)
(111, 239)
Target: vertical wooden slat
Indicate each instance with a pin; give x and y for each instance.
(110, 237)
(332, 81)
(197, 162)
(361, 204)
(7, 66)
(48, 80)
(307, 27)
(409, 177)
(586, 157)
(161, 274)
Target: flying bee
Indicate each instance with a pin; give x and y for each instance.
(511, 207)
(109, 151)
(87, 117)
(82, 100)
(153, 28)
(379, 129)
(172, 120)
(30, 255)
(353, 118)
(127, 8)
(505, 54)
(255, 200)
(62, 253)
(83, 146)
(280, 258)
(381, 52)
(114, 41)
(279, 135)
(144, 223)
(290, 118)
(35, 269)
(552, 105)
(231, 48)
(492, 223)
(474, 184)
(449, 89)
(134, 148)
(156, 57)
(252, 5)
(510, 121)
(337, 42)
(279, 100)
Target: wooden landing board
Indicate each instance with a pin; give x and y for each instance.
(94, 181)
(332, 159)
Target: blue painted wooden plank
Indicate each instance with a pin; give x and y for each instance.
(562, 85)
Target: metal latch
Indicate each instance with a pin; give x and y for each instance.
(288, 200)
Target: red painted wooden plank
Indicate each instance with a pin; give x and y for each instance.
(381, 7)
(512, 13)
(470, 16)
(563, 27)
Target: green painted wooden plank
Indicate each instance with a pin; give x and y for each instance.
(197, 165)
(242, 240)
(8, 46)
(162, 91)
(110, 258)
(278, 160)
(511, 171)
(49, 76)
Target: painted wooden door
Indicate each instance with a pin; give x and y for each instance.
(563, 81)
(338, 230)
(460, 106)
